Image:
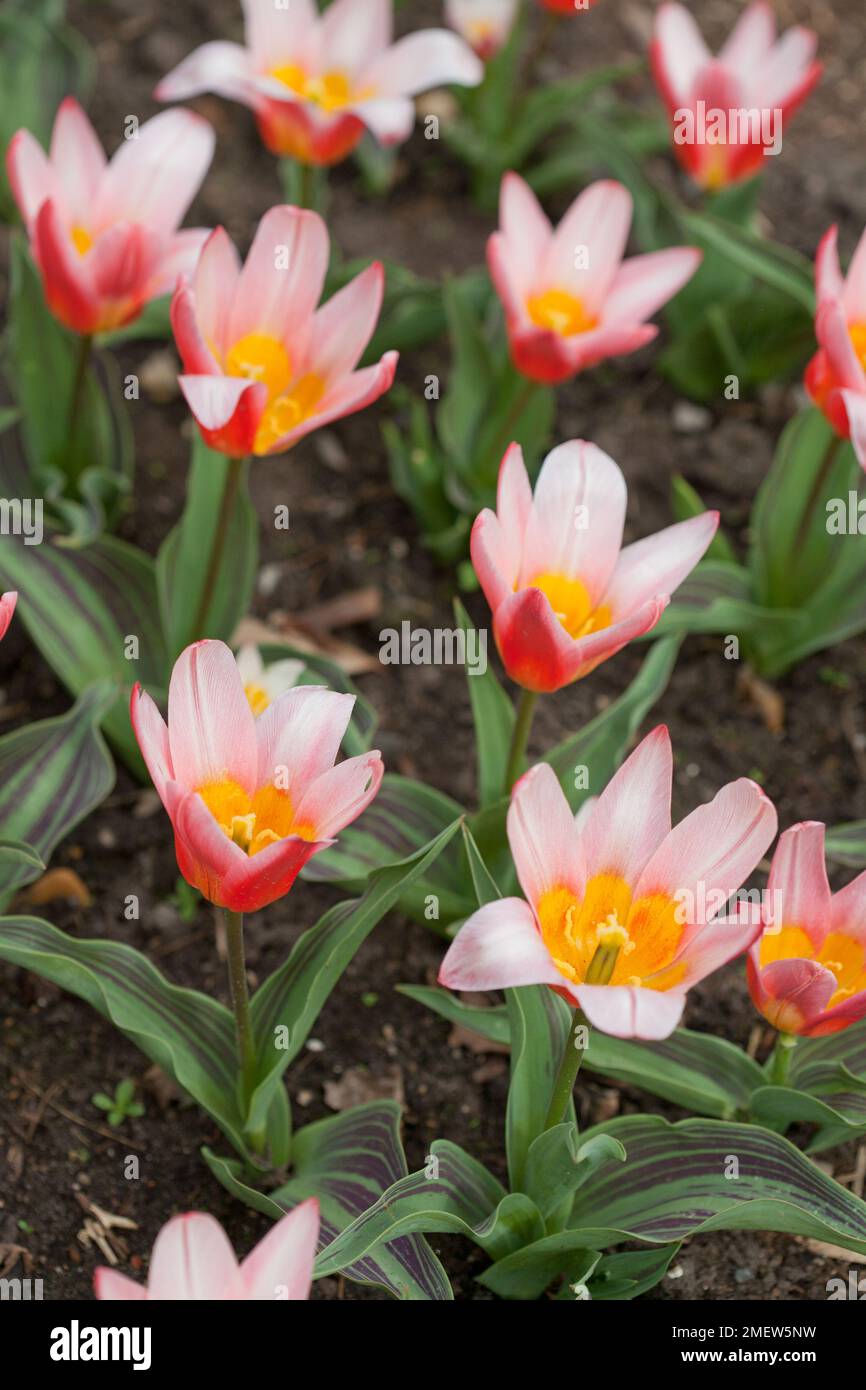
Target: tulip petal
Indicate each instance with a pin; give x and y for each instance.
(279, 33)
(421, 61)
(227, 407)
(343, 327)
(299, 736)
(644, 283)
(626, 1011)
(154, 177)
(831, 329)
(354, 33)
(715, 944)
(499, 947)
(31, 176)
(355, 392)
(151, 733)
(68, 288)
(79, 160)
(545, 845)
(791, 993)
(798, 882)
(658, 564)
(282, 278)
(526, 230)
(193, 1259)
(254, 883)
(281, 1265)
(829, 282)
(589, 243)
(494, 562)
(853, 293)
(214, 286)
(224, 68)
(212, 732)
(109, 1285)
(678, 52)
(576, 521)
(751, 38)
(178, 258)
(338, 796)
(855, 410)
(632, 816)
(7, 609)
(848, 909)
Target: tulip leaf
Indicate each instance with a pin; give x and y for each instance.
(182, 566)
(493, 717)
(93, 615)
(52, 774)
(746, 250)
(777, 1107)
(540, 1027)
(846, 844)
(287, 1005)
(557, 1163)
(346, 1161)
(706, 1175)
(186, 1033)
(490, 1023)
(454, 1193)
(628, 1274)
(483, 883)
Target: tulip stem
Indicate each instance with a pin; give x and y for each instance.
(505, 435)
(817, 488)
(569, 1066)
(779, 1064)
(520, 737)
(76, 400)
(241, 1003)
(230, 492)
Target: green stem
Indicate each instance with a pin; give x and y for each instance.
(230, 492)
(241, 1003)
(779, 1064)
(815, 492)
(76, 400)
(520, 737)
(569, 1066)
(505, 436)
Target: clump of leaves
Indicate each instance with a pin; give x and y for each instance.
(122, 1105)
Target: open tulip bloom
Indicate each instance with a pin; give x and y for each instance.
(836, 376)
(104, 234)
(250, 800)
(316, 82)
(807, 971)
(263, 366)
(618, 913)
(570, 299)
(728, 112)
(563, 592)
(193, 1260)
(484, 24)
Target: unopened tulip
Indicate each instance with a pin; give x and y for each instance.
(262, 365)
(564, 594)
(7, 608)
(316, 82)
(836, 376)
(250, 800)
(193, 1261)
(728, 112)
(807, 971)
(619, 912)
(570, 299)
(484, 24)
(104, 233)
(264, 684)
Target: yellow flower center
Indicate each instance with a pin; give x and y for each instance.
(842, 955)
(560, 312)
(81, 240)
(257, 698)
(253, 822)
(857, 334)
(572, 605)
(332, 91)
(261, 357)
(641, 936)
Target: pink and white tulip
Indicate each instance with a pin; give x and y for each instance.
(567, 6)
(836, 375)
(570, 299)
(317, 82)
(193, 1261)
(104, 234)
(263, 366)
(807, 972)
(250, 800)
(618, 916)
(755, 74)
(485, 24)
(7, 608)
(563, 592)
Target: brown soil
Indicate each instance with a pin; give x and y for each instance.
(348, 531)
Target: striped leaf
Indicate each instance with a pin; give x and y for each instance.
(540, 1024)
(80, 607)
(493, 717)
(184, 557)
(187, 1034)
(347, 1161)
(490, 1023)
(52, 775)
(292, 997)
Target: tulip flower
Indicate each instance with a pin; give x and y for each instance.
(570, 299)
(836, 376)
(618, 917)
(264, 684)
(807, 971)
(262, 365)
(564, 594)
(567, 6)
(7, 608)
(316, 82)
(193, 1260)
(250, 800)
(484, 24)
(728, 112)
(104, 233)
